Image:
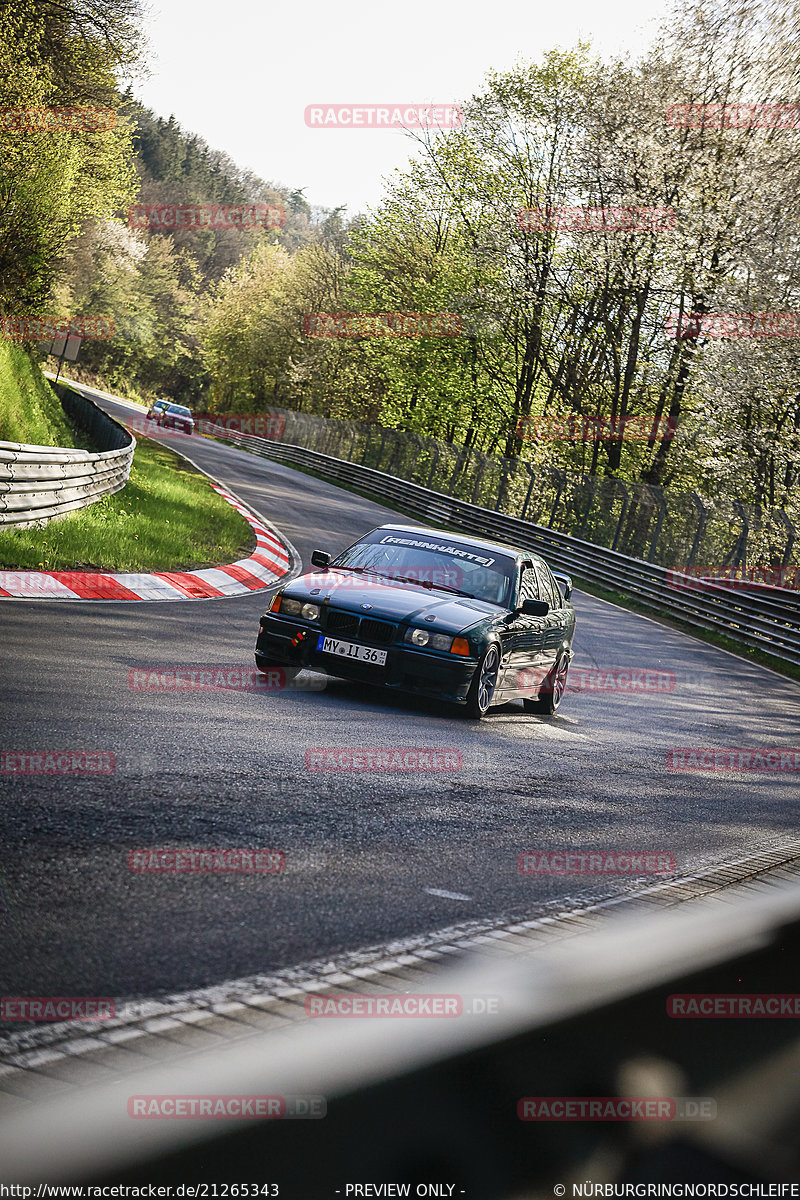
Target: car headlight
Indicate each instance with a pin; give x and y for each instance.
(298, 608)
(424, 637)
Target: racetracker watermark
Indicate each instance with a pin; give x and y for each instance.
(734, 758)
(48, 329)
(266, 425)
(391, 758)
(183, 860)
(83, 583)
(201, 677)
(57, 1008)
(696, 578)
(58, 762)
(734, 116)
(425, 574)
(616, 1108)
(733, 325)
(57, 120)
(731, 1005)
(168, 217)
(393, 324)
(230, 1107)
(579, 428)
(619, 679)
(384, 116)
(406, 1005)
(624, 219)
(595, 862)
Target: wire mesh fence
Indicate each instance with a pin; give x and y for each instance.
(659, 525)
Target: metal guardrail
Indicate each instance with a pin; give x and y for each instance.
(38, 483)
(770, 623)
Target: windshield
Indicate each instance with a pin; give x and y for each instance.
(434, 563)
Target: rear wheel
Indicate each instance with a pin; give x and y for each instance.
(552, 691)
(484, 682)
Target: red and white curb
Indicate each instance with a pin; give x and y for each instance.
(266, 565)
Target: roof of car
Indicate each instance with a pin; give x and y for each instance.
(466, 538)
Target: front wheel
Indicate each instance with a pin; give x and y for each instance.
(552, 691)
(484, 682)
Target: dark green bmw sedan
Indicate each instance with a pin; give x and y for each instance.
(464, 620)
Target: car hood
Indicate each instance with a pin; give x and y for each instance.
(392, 601)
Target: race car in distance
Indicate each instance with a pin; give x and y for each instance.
(157, 409)
(178, 417)
(446, 615)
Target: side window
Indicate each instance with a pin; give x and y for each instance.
(556, 590)
(547, 590)
(529, 587)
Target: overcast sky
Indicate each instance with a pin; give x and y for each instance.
(241, 72)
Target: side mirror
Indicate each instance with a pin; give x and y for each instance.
(320, 558)
(535, 608)
(565, 583)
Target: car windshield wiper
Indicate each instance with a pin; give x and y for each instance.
(361, 570)
(443, 587)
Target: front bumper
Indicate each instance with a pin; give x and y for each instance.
(407, 668)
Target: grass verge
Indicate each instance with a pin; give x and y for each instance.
(167, 518)
(30, 411)
(760, 657)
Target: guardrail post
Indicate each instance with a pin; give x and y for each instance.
(434, 461)
(740, 549)
(462, 458)
(626, 499)
(501, 487)
(791, 535)
(530, 489)
(588, 508)
(562, 483)
(367, 426)
(478, 478)
(702, 521)
(662, 512)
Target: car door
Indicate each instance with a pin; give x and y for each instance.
(524, 662)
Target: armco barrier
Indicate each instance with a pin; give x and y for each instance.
(761, 622)
(38, 483)
(438, 1101)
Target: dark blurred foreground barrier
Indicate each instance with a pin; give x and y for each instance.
(767, 622)
(38, 483)
(436, 1100)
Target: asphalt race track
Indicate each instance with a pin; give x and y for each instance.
(366, 853)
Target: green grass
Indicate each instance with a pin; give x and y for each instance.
(30, 411)
(167, 518)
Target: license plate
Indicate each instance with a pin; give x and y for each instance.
(351, 650)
